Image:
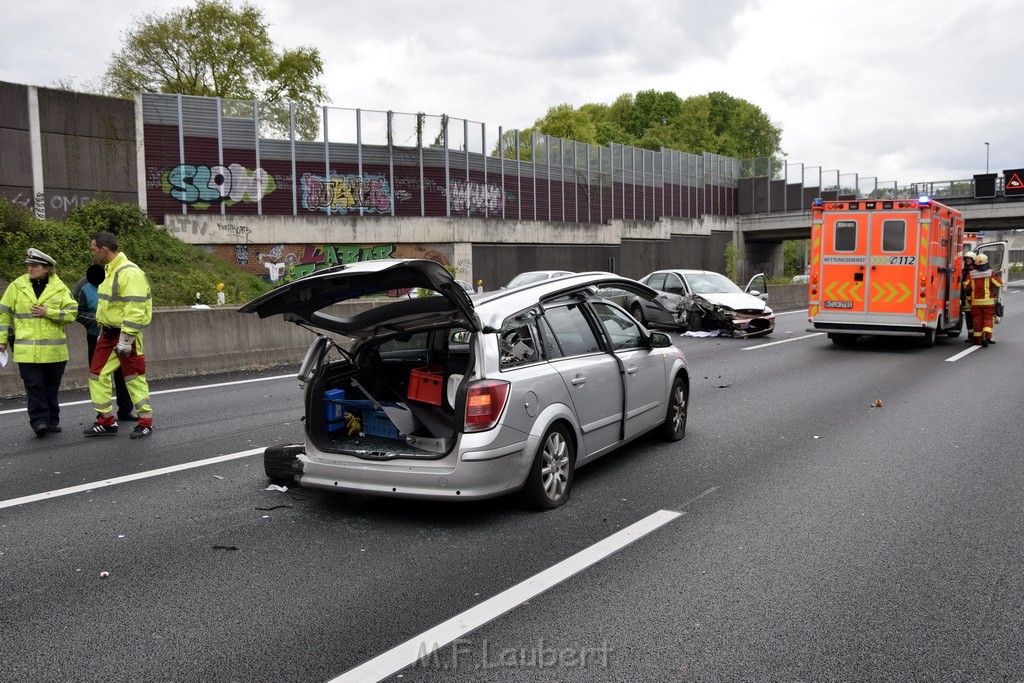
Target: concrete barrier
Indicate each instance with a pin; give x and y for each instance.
(787, 297)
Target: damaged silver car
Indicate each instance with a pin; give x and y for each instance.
(448, 397)
(706, 301)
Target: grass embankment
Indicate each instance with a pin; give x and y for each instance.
(176, 270)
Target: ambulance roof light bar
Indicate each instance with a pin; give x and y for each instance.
(923, 199)
(818, 202)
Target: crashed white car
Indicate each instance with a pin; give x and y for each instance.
(456, 398)
(704, 300)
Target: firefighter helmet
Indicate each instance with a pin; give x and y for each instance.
(981, 259)
(971, 255)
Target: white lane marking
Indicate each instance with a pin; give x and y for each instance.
(170, 391)
(431, 640)
(970, 349)
(782, 341)
(46, 495)
(796, 310)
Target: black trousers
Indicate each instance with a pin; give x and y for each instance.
(42, 382)
(124, 401)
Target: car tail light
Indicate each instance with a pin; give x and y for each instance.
(484, 402)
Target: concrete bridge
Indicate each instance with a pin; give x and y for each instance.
(760, 235)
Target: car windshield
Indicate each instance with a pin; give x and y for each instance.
(711, 283)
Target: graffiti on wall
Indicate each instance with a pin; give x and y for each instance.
(317, 257)
(292, 261)
(345, 193)
(186, 225)
(473, 197)
(206, 185)
(61, 203)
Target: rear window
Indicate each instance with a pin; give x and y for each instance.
(894, 235)
(845, 236)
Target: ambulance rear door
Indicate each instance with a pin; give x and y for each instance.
(844, 240)
(895, 258)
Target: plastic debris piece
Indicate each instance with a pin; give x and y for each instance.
(275, 487)
(104, 575)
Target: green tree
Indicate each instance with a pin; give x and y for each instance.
(213, 50)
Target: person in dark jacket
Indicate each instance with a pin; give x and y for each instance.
(87, 296)
(965, 295)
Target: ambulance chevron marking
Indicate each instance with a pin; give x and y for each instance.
(906, 293)
(892, 292)
(855, 292)
(878, 291)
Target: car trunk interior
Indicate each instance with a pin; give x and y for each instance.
(398, 406)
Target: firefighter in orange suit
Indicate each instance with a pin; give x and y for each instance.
(125, 307)
(985, 288)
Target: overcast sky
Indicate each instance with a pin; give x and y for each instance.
(897, 90)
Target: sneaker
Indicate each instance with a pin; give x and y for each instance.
(129, 416)
(55, 428)
(40, 430)
(101, 430)
(141, 432)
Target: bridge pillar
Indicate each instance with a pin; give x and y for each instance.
(760, 257)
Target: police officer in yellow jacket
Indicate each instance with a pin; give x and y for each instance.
(125, 307)
(36, 307)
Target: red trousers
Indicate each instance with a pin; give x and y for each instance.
(984, 320)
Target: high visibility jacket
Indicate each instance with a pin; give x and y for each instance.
(37, 340)
(125, 299)
(984, 286)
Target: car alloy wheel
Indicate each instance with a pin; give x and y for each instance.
(674, 427)
(550, 478)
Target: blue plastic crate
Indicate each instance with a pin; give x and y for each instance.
(377, 423)
(334, 407)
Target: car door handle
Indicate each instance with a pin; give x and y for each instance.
(632, 369)
(579, 381)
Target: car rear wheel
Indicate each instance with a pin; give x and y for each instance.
(674, 427)
(637, 311)
(279, 463)
(547, 485)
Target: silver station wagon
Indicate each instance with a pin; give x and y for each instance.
(450, 396)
